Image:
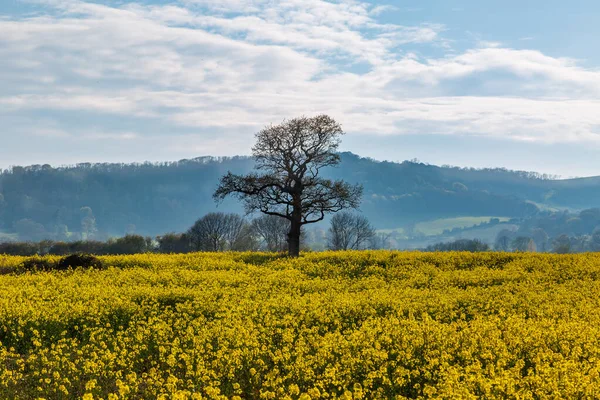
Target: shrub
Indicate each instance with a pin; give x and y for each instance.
(37, 263)
(79, 260)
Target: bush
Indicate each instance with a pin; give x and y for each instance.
(38, 264)
(79, 260)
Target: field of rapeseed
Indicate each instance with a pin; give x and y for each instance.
(360, 325)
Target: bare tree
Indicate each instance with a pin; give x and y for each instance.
(234, 230)
(503, 240)
(540, 237)
(88, 223)
(363, 232)
(2, 209)
(272, 230)
(289, 158)
(246, 240)
(381, 240)
(216, 232)
(595, 240)
(561, 244)
(523, 243)
(348, 231)
(340, 231)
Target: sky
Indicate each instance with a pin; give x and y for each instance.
(495, 83)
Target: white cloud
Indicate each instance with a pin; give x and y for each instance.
(236, 65)
(310, 25)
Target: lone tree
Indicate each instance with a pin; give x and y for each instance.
(286, 183)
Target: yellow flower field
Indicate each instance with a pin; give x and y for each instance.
(372, 324)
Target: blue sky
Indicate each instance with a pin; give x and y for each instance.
(472, 83)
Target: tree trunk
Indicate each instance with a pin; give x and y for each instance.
(294, 239)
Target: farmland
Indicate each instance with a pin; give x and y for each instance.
(438, 226)
(369, 324)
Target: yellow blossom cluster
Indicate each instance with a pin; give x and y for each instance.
(332, 325)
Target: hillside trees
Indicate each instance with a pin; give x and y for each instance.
(162, 197)
(287, 183)
(595, 240)
(2, 210)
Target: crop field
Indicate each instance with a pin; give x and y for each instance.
(351, 325)
(438, 226)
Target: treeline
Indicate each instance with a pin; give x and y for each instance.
(213, 232)
(130, 244)
(216, 232)
(550, 232)
(557, 232)
(471, 245)
(560, 245)
(539, 241)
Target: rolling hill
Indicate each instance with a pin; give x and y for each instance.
(41, 201)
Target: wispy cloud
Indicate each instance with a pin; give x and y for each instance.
(236, 65)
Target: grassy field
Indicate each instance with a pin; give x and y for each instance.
(373, 324)
(438, 226)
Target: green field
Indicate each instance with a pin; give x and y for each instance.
(437, 227)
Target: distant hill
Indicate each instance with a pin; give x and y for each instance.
(113, 199)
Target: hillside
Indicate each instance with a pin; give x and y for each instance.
(42, 201)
